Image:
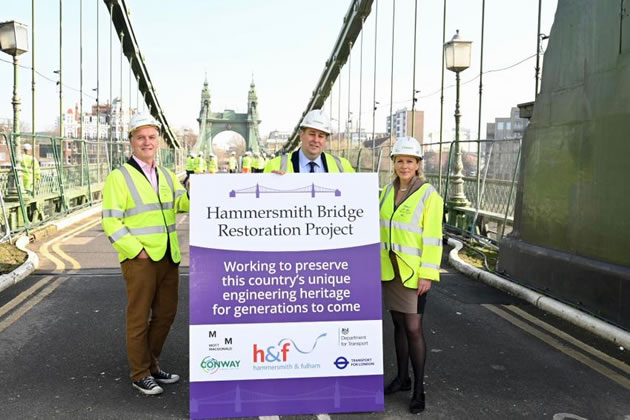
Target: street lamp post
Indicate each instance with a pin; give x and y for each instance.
(14, 41)
(457, 56)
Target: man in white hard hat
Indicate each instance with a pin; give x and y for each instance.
(140, 201)
(315, 129)
(232, 163)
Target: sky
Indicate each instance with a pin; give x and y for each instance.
(283, 45)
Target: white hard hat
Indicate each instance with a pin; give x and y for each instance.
(213, 155)
(142, 120)
(407, 146)
(27, 146)
(318, 120)
(233, 153)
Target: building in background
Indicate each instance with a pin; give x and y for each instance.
(501, 156)
(403, 122)
(276, 140)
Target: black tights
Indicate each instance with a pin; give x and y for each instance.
(409, 342)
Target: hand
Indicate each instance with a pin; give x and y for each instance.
(277, 171)
(423, 286)
(143, 255)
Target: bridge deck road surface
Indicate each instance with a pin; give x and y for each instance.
(62, 350)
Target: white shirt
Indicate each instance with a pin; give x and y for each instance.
(305, 167)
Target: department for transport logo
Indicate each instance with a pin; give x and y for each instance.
(312, 189)
(281, 352)
(211, 365)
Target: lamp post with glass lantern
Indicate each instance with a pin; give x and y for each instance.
(14, 41)
(457, 57)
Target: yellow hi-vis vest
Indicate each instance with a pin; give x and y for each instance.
(190, 163)
(231, 163)
(414, 233)
(212, 166)
(135, 217)
(247, 163)
(199, 165)
(283, 163)
(27, 171)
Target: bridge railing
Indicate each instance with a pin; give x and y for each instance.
(490, 175)
(69, 175)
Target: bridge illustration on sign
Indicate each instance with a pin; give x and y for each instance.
(311, 189)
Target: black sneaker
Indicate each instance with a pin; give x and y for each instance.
(165, 377)
(148, 386)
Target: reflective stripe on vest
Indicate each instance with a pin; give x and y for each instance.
(418, 213)
(429, 265)
(387, 191)
(401, 248)
(118, 234)
(149, 230)
(119, 214)
(402, 226)
(140, 206)
(338, 161)
(432, 241)
(284, 162)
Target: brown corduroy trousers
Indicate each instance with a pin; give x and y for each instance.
(152, 294)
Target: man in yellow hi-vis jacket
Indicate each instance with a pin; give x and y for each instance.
(140, 201)
(315, 129)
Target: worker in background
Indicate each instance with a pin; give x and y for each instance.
(247, 162)
(256, 163)
(140, 201)
(199, 164)
(232, 163)
(411, 253)
(315, 129)
(213, 166)
(190, 167)
(30, 170)
(262, 162)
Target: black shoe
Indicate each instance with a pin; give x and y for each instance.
(165, 377)
(396, 385)
(148, 386)
(417, 403)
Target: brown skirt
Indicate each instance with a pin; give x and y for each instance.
(399, 298)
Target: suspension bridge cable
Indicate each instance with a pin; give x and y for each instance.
(349, 119)
(391, 86)
(413, 88)
(442, 100)
(360, 79)
(374, 87)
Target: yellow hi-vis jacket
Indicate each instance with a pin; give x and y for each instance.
(135, 217)
(413, 231)
(190, 163)
(199, 165)
(284, 163)
(212, 166)
(27, 172)
(247, 164)
(231, 163)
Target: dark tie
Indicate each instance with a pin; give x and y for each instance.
(312, 165)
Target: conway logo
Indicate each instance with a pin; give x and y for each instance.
(211, 365)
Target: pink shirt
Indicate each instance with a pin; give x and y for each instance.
(149, 171)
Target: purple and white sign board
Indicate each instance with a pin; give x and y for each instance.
(285, 295)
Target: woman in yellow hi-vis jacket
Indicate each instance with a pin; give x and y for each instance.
(411, 251)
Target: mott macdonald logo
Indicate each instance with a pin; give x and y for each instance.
(211, 365)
